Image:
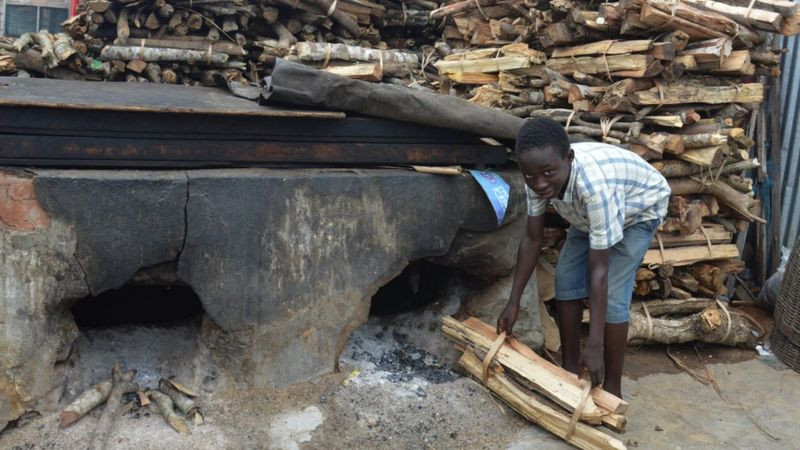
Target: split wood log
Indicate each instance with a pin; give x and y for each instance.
(366, 72)
(705, 157)
(712, 326)
(716, 234)
(565, 394)
(90, 399)
(685, 280)
(695, 22)
(604, 399)
(711, 277)
(758, 18)
(735, 200)
(608, 47)
(680, 93)
(313, 51)
(551, 419)
(679, 293)
(595, 65)
(459, 7)
(185, 404)
(489, 65)
(153, 54)
(785, 8)
(165, 408)
(684, 256)
(738, 182)
(112, 410)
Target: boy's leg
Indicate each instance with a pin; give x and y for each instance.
(571, 281)
(568, 315)
(625, 258)
(615, 341)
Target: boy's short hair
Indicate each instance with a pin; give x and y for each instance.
(540, 132)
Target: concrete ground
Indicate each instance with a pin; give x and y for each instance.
(395, 390)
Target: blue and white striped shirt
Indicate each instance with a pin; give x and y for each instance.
(609, 189)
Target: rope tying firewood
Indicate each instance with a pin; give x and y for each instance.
(728, 317)
(487, 360)
(576, 415)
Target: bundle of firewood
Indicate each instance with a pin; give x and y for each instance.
(539, 390)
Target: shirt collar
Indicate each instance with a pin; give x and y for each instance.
(571, 182)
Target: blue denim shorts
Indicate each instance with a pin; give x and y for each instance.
(572, 270)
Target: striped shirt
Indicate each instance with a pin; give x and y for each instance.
(609, 189)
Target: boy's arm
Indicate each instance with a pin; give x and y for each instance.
(527, 257)
(592, 356)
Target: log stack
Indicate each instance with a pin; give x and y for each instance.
(679, 82)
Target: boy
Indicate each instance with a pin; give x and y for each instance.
(614, 201)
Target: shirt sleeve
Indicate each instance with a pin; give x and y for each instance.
(536, 204)
(606, 219)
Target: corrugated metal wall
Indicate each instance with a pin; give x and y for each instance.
(790, 142)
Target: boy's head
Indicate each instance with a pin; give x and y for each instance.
(544, 156)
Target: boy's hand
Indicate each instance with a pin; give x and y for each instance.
(507, 318)
(592, 359)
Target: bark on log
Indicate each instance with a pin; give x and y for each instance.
(312, 51)
(681, 93)
(89, 399)
(152, 54)
(228, 48)
(165, 408)
(709, 326)
(729, 196)
(675, 168)
(185, 404)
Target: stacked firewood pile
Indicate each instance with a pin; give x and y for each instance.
(678, 82)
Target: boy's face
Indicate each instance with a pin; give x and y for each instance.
(545, 171)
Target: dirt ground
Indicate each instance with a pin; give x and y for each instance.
(395, 390)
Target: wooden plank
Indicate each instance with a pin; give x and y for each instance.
(684, 256)
(680, 93)
(139, 97)
(566, 395)
(608, 47)
(584, 436)
(604, 399)
(594, 65)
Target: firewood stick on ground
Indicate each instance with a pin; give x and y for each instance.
(89, 399)
(113, 406)
(165, 408)
(185, 404)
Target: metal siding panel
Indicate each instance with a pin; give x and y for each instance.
(790, 142)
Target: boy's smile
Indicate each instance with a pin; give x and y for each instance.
(545, 171)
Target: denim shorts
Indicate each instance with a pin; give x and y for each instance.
(572, 270)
